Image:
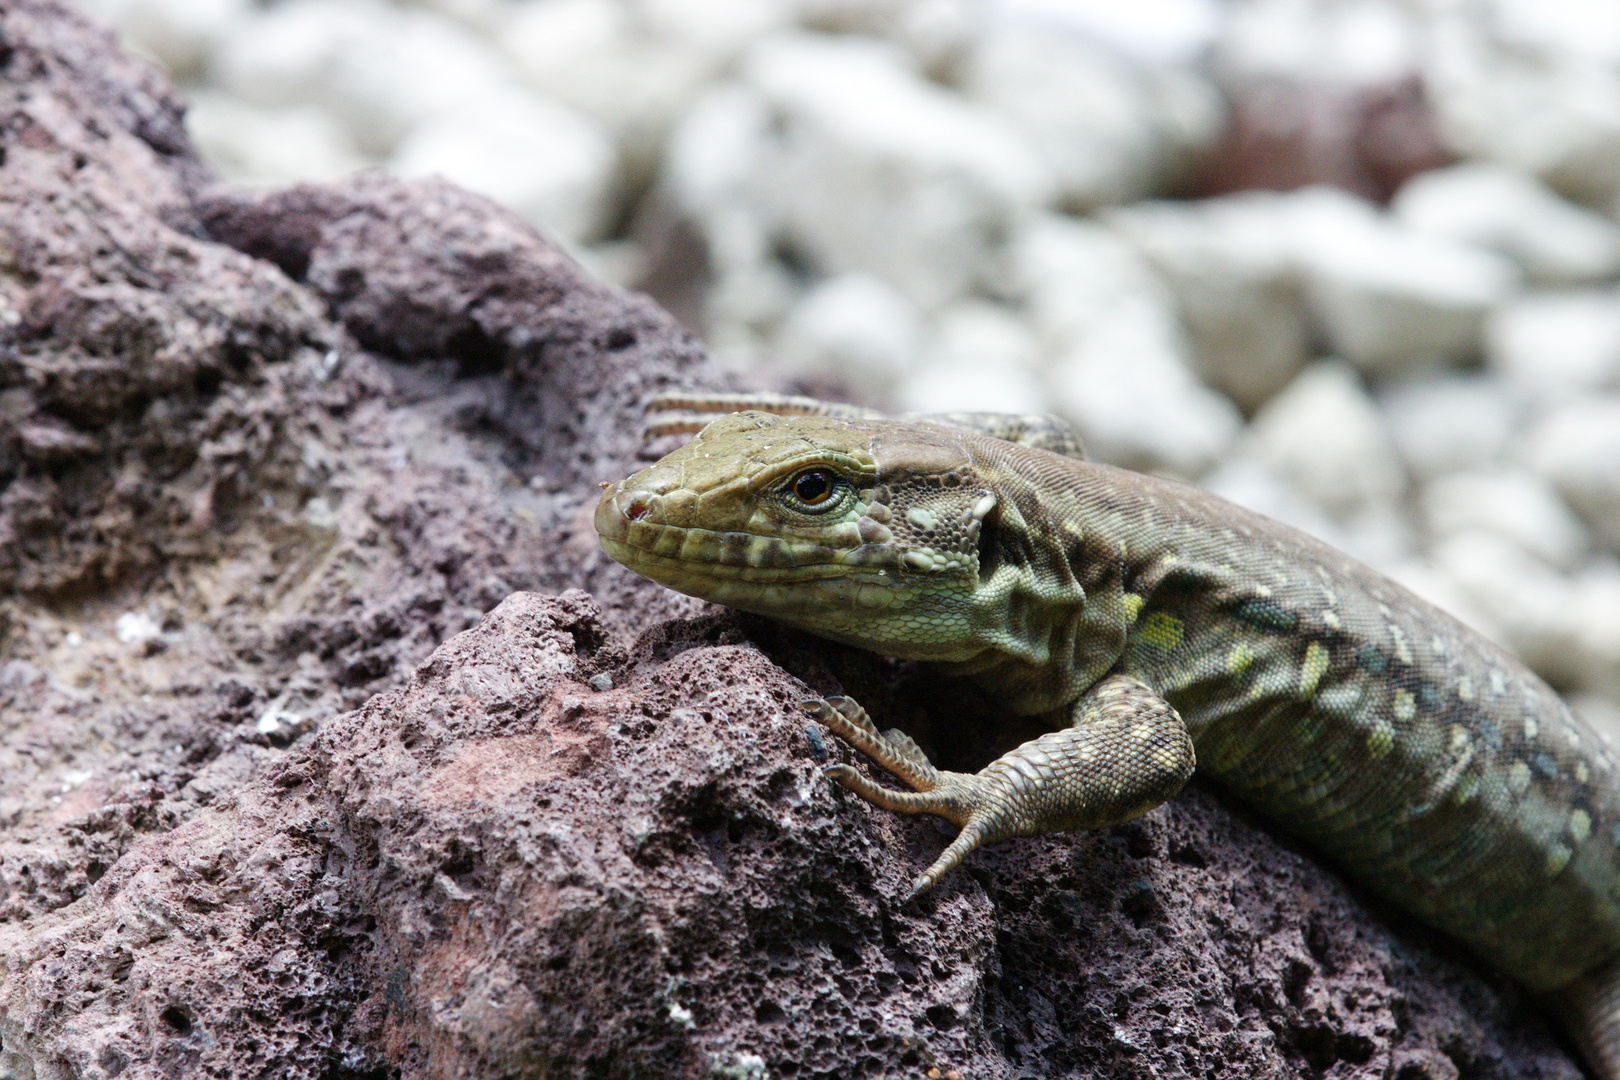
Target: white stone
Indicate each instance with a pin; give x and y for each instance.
(619, 262)
(1155, 32)
(880, 171)
(1325, 436)
(276, 717)
(1554, 241)
(982, 359)
(716, 149)
(1126, 387)
(1072, 274)
(1375, 535)
(1391, 299)
(1232, 266)
(1538, 94)
(1242, 480)
(1109, 129)
(991, 333)
(1595, 612)
(1432, 583)
(1602, 712)
(178, 34)
(1527, 605)
(551, 164)
(1512, 503)
(1577, 447)
(954, 385)
(286, 55)
(1367, 44)
(1449, 422)
(633, 67)
(855, 328)
(380, 69)
(133, 626)
(1118, 365)
(270, 146)
(1551, 345)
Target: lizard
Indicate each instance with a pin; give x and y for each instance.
(1159, 628)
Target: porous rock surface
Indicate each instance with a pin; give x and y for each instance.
(333, 748)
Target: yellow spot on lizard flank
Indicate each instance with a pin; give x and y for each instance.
(1531, 728)
(1239, 659)
(1580, 826)
(1465, 689)
(1132, 604)
(1310, 672)
(1518, 777)
(1330, 619)
(1582, 773)
(1558, 857)
(1381, 739)
(1263, 590)
(1162, 631)
(1498, 680)
(1403, 652)
(1467, 787)
(1405, 706)
(1459, 738)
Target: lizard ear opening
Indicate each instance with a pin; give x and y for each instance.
(989, 544)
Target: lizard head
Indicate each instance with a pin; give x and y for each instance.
(863, 532)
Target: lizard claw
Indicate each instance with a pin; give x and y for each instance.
(894, 750)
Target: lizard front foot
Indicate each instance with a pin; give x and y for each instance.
(1127, 752)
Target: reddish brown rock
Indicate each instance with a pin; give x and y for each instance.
(1283, 135)
(272, 809)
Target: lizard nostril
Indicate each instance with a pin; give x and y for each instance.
(639, 508)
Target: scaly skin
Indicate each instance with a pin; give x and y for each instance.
(1425, 761)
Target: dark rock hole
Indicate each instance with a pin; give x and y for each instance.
(1356, 1049)
(847, 956)
(1295, 978)
(175, 1018)
(942, 1017)
(348, 283)
(1187, 855)
(769, 1012)
(1140, 905)
(475, 352)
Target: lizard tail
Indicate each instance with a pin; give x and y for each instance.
(1591, 1009)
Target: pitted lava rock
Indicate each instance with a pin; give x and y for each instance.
(309, 770)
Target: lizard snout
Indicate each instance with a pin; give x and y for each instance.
(618, 508)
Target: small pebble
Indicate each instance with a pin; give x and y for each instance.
(600, 681)
(818, 745)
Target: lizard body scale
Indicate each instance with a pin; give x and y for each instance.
(1156, 621)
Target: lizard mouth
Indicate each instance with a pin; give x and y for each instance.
(769, 575)
(634, 530)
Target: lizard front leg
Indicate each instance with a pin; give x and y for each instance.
(1126, 752)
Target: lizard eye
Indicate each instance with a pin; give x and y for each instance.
(813, 487)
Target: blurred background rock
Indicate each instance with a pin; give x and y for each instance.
(1352, 263)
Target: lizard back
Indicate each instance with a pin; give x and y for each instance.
(1429, 763)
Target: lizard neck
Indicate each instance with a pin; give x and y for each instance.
(1051, 613)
